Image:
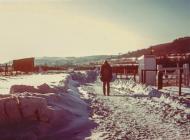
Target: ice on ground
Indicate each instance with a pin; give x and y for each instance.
(44, 107)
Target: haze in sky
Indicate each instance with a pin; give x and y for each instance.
(88, 27)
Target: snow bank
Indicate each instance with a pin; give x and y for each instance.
(136, 89)
(31, 80)
(45, 111)
(44, 88)
(171, 105)
(88, 76)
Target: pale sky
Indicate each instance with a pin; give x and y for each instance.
(36, 28)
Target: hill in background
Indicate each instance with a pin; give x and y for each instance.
(178, 46)
(59, 61)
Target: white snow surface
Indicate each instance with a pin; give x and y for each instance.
(135, 111)
(30, 80)
(72, 107)
(44, 107)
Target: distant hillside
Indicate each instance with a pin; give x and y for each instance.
(58, 61)
(178, 46)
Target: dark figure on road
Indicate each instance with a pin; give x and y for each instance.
(106, 77)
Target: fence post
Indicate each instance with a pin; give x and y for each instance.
(180, 81)
(160, 79)
(6, 69)
(142, 76)
(186, 74)
(178, 75)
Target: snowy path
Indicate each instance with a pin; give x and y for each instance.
(121, 116)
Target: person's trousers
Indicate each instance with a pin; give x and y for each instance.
(106, 88)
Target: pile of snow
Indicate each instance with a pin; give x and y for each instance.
(136, 89)
(17, 108)
(44, 88)
(86, 77)
(30, 80)
(170, 104)
(45, 112)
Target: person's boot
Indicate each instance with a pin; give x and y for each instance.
(104, 88)
(104, 91)
(108, 91)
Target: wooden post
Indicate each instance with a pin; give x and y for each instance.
(180, 81)
(160, 79)
(178, 75)
(134, 75)
(142, 76)
(6, 69)
(186, 74)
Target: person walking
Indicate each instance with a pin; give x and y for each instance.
(106, 77)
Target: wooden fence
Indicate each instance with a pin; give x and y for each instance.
(171, 76)
(125, 71)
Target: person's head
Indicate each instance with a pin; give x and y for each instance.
(105, 62)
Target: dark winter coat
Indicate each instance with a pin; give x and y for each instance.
(106, 73)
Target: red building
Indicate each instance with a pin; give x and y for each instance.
(24, 65)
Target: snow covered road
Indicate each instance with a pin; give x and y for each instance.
(76, 109)
(122, 116)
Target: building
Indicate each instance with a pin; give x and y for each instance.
(24, 65)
